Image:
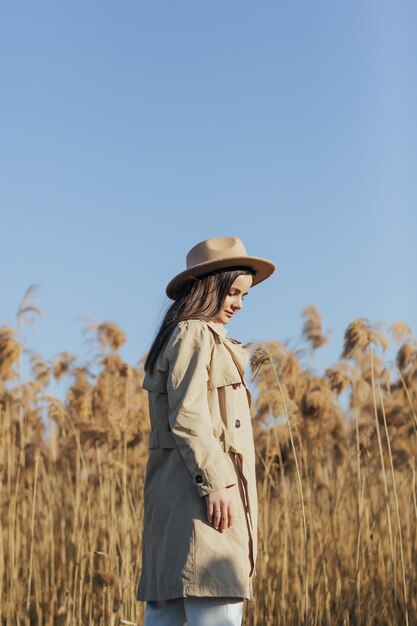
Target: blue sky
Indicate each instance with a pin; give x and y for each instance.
(130, 131)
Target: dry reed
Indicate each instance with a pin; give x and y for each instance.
(337, 491)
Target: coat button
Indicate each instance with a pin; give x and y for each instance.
(199, 479)
(237, 423)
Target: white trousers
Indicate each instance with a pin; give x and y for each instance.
(193, 611)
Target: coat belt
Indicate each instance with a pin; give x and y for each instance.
(165, 439)
(161, 439)
(229, 446)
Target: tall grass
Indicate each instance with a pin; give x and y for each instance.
(337, 490)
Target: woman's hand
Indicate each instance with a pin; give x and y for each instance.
(220, 511)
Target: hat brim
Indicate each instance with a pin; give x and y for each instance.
(263, 268)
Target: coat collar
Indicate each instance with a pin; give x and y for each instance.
(221, 330)
(218, 328)
(241, 353)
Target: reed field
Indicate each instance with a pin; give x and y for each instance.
(337, 487)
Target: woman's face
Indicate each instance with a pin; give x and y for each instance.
(234, 299)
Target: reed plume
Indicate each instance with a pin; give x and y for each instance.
(312, 329)
(336, 477)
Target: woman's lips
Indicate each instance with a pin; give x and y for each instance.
(228, 313)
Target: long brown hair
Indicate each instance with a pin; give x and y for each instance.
(201, 298)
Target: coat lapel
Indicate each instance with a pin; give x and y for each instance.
(239, 354)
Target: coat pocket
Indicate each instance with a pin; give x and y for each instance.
(220, 558)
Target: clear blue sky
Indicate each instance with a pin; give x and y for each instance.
(132, 130)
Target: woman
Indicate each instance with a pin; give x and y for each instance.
(199, 541)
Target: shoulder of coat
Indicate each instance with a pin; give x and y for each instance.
(191, 331)
(193, 326)
(192, 323)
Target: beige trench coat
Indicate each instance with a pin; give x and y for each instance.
(201, 441)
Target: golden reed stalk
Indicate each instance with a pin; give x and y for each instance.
(337, 487)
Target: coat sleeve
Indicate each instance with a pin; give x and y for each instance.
(189, 354)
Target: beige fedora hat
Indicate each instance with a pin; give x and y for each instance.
(219, 253)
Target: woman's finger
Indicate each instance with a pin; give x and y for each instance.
(224, 517)
(231, 515)
(217, 518)
(209, 511)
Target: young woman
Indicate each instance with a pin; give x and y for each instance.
(199, 541)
